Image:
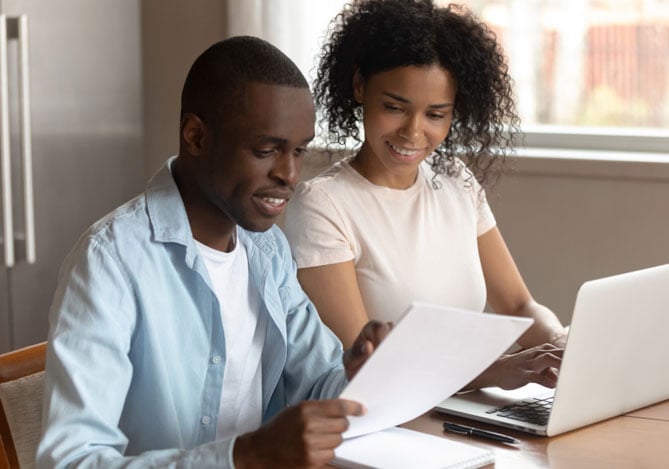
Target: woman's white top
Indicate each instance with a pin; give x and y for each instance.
(416, 244)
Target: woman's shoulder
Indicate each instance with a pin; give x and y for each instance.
(457, 179)
(454, 172)
(332, 179)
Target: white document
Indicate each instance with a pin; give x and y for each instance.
(431, 353)
(399, 448)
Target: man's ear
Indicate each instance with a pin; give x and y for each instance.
(193, 133)
(358, 86)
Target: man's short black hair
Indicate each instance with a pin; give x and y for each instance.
(217, 77)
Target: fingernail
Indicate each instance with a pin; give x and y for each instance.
(360, 349)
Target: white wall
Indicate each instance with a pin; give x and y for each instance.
(174, 33)
(567, 221)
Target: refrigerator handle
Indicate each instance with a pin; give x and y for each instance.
(5, 157)
(26, 138)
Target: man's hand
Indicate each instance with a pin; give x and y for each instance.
(538, 364)
(369, 338)
(302, 436)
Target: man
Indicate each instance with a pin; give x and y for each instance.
(179, 333)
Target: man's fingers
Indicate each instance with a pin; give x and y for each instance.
(370, 337)
(333, 408)
(376, 331)
(361, 349)
(325, 421)
(327, 426)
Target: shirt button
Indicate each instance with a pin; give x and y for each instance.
(206, 420)
(216, 360)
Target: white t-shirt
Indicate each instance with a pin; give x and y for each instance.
(417, 244)
(244, 330)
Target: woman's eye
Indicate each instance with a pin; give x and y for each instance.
(392, 107)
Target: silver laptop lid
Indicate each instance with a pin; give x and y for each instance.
(618, 349)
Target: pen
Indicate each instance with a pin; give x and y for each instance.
(464, 430)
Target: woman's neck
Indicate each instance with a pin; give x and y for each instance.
(375, 172)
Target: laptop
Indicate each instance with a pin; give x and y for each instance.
(615, 361)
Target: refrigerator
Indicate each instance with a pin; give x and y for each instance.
(70, 141)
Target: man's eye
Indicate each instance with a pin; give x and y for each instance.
(263, 153)
(301, 151)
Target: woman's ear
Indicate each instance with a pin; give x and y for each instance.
(358, 86)
(193, 132)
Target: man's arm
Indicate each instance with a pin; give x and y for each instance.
(314, 368)
(89, 373)
(306, 433)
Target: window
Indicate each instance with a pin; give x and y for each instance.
(596, 71)
(589, 74)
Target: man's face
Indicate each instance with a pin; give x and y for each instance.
(254, 156)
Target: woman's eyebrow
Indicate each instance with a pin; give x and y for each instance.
(401, 99)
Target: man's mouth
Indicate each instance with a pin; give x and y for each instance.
(271, 205)
(274, 201)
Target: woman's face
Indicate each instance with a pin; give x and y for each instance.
(407, 113)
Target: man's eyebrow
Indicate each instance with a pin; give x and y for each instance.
(282, 141)
(406, 101)
(272, 139)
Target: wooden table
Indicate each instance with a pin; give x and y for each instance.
(639, 439)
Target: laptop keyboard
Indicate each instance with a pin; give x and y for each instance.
(534, 410)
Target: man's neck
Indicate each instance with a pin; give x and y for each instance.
(217, 242)
(209, 225)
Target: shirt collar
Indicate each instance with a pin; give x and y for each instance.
(169, 220)
(166, 209)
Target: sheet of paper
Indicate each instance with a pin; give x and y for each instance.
(399, 448)
(431, 353)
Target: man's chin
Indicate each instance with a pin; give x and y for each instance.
(258, 226)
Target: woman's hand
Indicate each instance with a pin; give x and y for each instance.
(539, 364)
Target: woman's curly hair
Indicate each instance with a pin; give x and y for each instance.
(374, 36)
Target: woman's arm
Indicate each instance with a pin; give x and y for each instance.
(334, 290)
(508, 294)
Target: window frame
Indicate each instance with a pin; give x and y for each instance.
(588, 138)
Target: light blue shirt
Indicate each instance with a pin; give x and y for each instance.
(136, 349)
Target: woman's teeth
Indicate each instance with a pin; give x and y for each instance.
(402, 151)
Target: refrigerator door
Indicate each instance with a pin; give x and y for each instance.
(4, 307)
(86, 135)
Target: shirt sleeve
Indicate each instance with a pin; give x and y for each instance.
(88, 373)
(314, 367)
(485, 218)
(316, 229)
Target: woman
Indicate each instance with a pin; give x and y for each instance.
(405, 218)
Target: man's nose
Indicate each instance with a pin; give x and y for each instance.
(287, 169)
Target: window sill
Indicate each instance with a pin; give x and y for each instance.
(591, 163)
